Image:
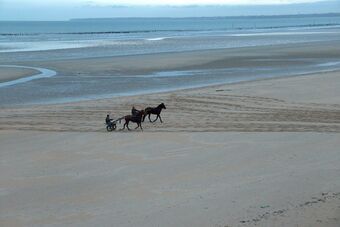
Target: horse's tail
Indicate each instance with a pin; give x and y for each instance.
(146, 112)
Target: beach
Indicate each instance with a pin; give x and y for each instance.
(250, 133)
(261, 153)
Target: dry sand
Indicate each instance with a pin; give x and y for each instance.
(12, 73)
(262, 153)
(169, 179)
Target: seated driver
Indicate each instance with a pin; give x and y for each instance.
(108, 119)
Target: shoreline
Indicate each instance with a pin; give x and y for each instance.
(79, 49)
(144, 74)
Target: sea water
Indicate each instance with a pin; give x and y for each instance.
(28, 41)
(139, 35)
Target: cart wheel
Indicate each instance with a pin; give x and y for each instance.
(109, 128)
(114, 126)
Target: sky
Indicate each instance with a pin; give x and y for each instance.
(68, 9)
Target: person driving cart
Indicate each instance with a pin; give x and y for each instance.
(108, 119)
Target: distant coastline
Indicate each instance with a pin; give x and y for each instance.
(230, 17)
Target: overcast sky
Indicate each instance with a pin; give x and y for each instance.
(67, 9)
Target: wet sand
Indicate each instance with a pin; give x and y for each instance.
(261, 153)
(284, 55)
(97, 78)
(12, 73)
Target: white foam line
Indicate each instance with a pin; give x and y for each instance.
(44, 73)
(157, 39)
(333, 63)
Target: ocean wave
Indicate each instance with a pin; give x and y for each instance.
(8, 47)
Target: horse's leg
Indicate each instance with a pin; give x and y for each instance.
(137, 125)
(156, 119)
(124, 125)
(160, 118)
(127, 125)
(149, 117)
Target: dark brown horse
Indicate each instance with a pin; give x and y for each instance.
(136, 118)
(154, 110)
